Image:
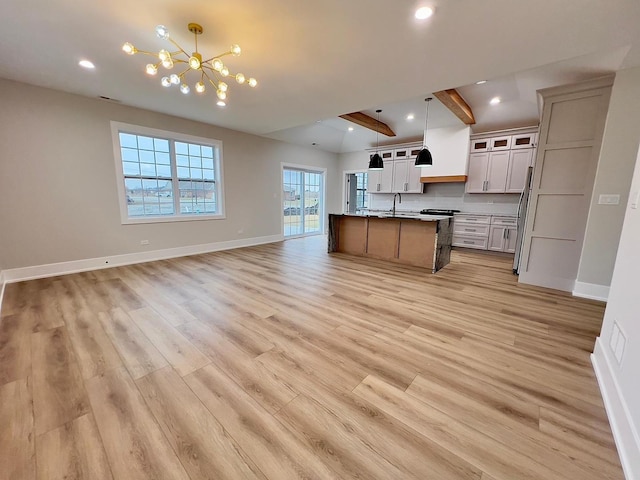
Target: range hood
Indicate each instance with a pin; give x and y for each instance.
(450, 149)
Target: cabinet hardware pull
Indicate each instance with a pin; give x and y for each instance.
(469, 229)
(466, 241)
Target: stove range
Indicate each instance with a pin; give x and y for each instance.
(438, 211)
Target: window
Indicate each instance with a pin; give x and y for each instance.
(362, 199)
(165, 176)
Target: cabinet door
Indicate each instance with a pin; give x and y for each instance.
(510, 241)
(480, 145)
(497, 238)
(500, 143)
(519, 162)
(373, 181)
(400, 176)
(413, 177)
(478, 163)
(497, 172)
(524, 140)
(386, 177)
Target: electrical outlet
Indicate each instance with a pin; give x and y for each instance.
(609, 199)
(144, 242)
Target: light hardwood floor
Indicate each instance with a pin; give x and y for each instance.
(282, 362)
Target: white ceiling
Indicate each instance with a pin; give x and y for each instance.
(317, 60)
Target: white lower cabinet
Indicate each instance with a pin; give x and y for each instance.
(485, 232)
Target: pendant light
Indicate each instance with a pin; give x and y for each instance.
(375, 161)
(424, 156)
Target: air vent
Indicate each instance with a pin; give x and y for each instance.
(108, 99)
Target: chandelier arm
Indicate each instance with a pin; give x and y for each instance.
(182, 74)
(209, 78)
(177, 46)
(153, 54)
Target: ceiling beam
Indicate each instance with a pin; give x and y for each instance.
(454, 102)
(371, 123)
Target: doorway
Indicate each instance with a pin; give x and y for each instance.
(302, 201)
(356, 195)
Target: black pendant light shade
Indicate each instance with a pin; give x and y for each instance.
(424, 158)
(375, 160)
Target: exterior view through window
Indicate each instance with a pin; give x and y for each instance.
(167, 177)
(302, 202)
(356, 195)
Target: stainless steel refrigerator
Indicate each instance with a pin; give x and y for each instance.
(523, 206)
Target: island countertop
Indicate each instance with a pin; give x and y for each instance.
(419, 240)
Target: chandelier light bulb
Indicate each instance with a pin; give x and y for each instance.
(184, 88)
(236, 50)
(224, 72)
(221, 95)
(165, 82)
(223, 86)
(240, 78)
(194, 61)
(128, 49)
(162, 32)
(151, 69)
(253, 82)
(217, 64)
(168, 63)
(221, 103)
(174, 79)
(164, 55)
(200, 88)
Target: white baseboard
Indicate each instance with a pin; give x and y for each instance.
(591, 290)
(2, 282)
(545, 281)
(75, 266)
(624, 432)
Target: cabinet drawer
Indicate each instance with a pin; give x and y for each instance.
(469, 242)
(481, 219)
(386, 154)
(507, 221)
(470, 229)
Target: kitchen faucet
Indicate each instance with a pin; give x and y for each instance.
(394, 202)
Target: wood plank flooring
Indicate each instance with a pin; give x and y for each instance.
(284, 362)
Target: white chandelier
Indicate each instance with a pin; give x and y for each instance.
(212, 70)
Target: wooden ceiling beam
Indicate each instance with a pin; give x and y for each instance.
(371, 123)
(454, 102)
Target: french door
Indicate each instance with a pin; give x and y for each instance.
(302, 195)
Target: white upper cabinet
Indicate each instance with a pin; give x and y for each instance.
(406, 177)
(499, 163)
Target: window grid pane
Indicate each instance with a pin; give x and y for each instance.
(149, 182)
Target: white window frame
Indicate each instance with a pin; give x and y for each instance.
(117, 127)
(323, 188)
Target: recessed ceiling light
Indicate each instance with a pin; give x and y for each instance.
(86, 64)
(424, 12)
(495, 101)
(350, 129)
(410, 117)
(480, 82)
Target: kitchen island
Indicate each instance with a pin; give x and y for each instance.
(418, 240)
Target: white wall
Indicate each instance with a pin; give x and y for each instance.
(615, 167)
(620, 382)
(58, 197)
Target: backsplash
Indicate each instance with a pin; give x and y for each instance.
(449, 196)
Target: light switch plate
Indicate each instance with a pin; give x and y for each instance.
(635, 196)
(609, 199)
